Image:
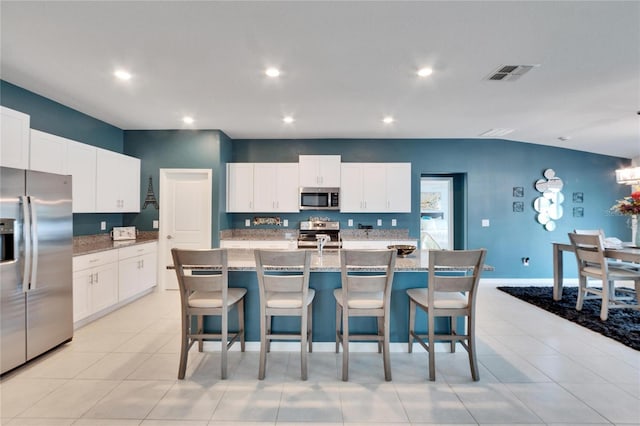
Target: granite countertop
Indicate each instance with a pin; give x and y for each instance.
(87, 244)
(292, 234)
(418, 261)
(259, 234)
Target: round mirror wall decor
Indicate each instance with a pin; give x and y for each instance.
(549, 204)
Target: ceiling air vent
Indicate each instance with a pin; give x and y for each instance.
(509, 72)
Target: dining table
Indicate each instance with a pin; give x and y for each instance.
(623, 254)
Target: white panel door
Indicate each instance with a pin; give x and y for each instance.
(185, 216)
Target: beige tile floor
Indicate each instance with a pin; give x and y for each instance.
(121, 370)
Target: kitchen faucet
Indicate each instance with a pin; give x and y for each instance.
(322, 240)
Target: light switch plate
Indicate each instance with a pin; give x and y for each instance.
(156, 224)
(350, 222)
(285, 222)
(485, 223)
(247, 222)
(379, 222)
(394, 222)
(103, 225)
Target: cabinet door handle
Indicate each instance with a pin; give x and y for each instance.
(91, 279)
(96, 281)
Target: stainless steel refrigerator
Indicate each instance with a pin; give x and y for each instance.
(36, 244)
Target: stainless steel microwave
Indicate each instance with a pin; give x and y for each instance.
(319, 198)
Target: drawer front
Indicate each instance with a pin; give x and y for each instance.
(137, 250)
(95, 259)
(235, 244)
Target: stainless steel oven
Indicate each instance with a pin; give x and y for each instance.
(311, 230)
(319, 198)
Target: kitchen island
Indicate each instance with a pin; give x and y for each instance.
(410, 272)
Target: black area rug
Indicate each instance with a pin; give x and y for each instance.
(622, 325)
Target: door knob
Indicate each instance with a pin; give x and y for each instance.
(169, 237)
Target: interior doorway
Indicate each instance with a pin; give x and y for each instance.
(436, 212)
(185, 216)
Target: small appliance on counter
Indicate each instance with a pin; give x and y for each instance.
(120, 233)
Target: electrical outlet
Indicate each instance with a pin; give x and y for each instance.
(103, 225)
(247, 222)
(350, 222)
(156, 224)
(485, 223)
(285, 222)
(394, 222)
(379, 222)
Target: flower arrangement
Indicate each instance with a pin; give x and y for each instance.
(628, 205)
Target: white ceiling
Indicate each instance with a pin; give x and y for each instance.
(345, 65)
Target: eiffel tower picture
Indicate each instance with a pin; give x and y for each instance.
(151, 197)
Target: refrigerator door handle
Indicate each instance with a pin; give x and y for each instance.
(34, 242)
(26, 232)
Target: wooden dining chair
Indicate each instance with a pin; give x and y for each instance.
(448, 295)
(367, 277)
(616, 263)
(283, 282)
(204, 291)
(593, 265)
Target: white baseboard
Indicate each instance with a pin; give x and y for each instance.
(370, 347)
(526, 282)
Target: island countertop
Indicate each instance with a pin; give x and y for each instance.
(418, 261)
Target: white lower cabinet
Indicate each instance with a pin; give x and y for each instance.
(95, 283)
(137, 271)
(106, 280)
(374, 244)
(260, 244)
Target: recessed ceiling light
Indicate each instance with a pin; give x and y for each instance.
(122, 75)
(272, 72)
(425, 72)
(288, 119)
(388, 120)
(187, 120)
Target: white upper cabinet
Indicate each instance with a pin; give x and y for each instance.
(81, 165)
(275, 187)
(262, 187)
(14, 139)
(48, 153)
(376, 188)
(239, 187)
(117, 182)
(319, 171)
(398, 188)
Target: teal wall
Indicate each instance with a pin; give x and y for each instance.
(57, 119)
(491, 168)
(160, 149)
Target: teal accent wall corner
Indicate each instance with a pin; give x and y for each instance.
(182, 149)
